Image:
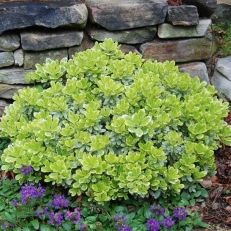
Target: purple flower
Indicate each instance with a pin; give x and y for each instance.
(30, 191)
(168, 222)
(157, 210)
(14, 202)
(153, 225)
(41, 212)
(120, 221)
(59, 202)
(6, 225)
(125, 228)
(74, 216)
(26, 170)
(55, 218)
(180, 214)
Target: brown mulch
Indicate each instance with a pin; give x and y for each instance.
(217, 208)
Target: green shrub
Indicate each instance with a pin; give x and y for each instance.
(107, 125)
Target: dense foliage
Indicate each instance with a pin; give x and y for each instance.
(222, 34)
(110, 125)
(35, 207)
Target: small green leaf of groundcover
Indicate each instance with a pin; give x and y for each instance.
(35, 224)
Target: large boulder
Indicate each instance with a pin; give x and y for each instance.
(185, 50)
(49, 14)
(224, 67)
(222, 77)
(205, 7)
(127, 14)
(167, 31)
(42, 40)
(134, 36)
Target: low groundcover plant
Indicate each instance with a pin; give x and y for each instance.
(108, 125)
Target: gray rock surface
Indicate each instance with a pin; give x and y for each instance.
(12, 76)
(183, 15)
(224, 67)
(87, 43)
(184, 50)
(128, 48)
(205, 7)
(222, 85)
(32, 58)
(222, 13)
(127, 14)
(9, 42)
(167, 31)
(18, 57)
(196, 69)
(133, 36)
(6, 59)
(3, 105)
(49, 14)
(42, 40)
(8, 91)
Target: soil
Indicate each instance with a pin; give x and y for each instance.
(217, 208)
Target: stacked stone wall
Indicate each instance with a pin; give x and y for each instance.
(31, 31)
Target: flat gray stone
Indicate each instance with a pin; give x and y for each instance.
(32, 58)
(194, 69)
(224, 67)
(9, 42)
(126, 14)
(184, 50)
(8, 91)
(6, 59)
(3, 105)
(205, 7)
(38, 40)
(48, 14)
(222, 84)
(133, 36)
(18, 57)
(166, 31)
(12, 76)
(183, 15)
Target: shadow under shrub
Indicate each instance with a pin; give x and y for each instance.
(110, 125)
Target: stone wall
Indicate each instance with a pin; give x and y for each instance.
(32, 31)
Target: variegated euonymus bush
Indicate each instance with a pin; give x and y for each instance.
(108, 125)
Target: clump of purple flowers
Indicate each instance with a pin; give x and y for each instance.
(153, 225)
(30, 191)
(74, 216)
(168, 222)
(55, 218)
(180, 213)
(121, 223)
(26, 170)
(59, 202)
(157, 210)
(161, 220)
